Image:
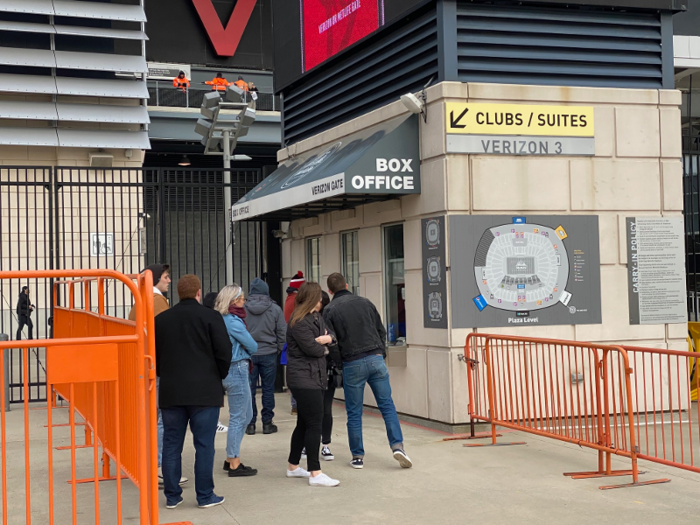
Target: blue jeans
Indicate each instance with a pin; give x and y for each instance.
(264, 366)
(203, 422)
(356, 374)
(160, 424)
(240, 410)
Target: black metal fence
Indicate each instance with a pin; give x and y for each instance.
(691, 190)
(118, 218)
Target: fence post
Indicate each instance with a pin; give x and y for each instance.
(6, 364)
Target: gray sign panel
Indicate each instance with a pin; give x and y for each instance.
(519, 145)
(656, 270)
(434, 273)
(526, 270)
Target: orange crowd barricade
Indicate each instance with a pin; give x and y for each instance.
(104, 368)
(574, 392)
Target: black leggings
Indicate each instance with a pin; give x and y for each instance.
(308, 430)
(328, 413)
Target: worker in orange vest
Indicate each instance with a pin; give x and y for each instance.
(241, 83)
(219, 83)
(181, 81)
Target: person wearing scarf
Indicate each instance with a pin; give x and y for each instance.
(229, 303)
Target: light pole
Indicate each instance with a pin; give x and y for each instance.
(220, 137)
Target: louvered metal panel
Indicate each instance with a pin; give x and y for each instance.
(35, 7)
(92, 87)
(533, 45)
(74, 138)
(14, 56)
(25, 27)
(101, 32)
(28, 136)
(373, 75)
(28, 110)
(100, 62)
(103, 113)
(99, 11)
(10, 83)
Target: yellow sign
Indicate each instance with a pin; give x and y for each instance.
(516, 119)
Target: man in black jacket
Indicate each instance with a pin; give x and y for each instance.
(193, 355)
(361, 339)
(24, 312)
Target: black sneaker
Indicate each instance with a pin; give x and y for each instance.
(402, 458)
(269, 428)
(241, 472)
(250, 430)
(357, 463)
(227, 466)
(326, 454)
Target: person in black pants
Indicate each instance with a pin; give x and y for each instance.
(308, 344)
(24, 312)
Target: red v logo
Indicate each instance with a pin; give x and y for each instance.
(225, 40)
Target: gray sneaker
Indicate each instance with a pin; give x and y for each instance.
(402, 458)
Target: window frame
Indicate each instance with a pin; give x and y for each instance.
(308, 256)
(385, 278)
(343, 259)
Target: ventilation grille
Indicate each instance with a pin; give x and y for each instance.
(530, 45)
(58, 51)
(375, 74)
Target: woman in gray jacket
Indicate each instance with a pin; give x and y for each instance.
(308, 344)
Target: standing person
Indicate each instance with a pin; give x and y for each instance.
(289, 305)
(361, 340)
(24, 313)
(252, 88)
(193, 356)
(241, 83)
(230, 303)
(218, 83)
(333, 371)
(268, 327)
(161, 285)
(308, 345)
(209, 301)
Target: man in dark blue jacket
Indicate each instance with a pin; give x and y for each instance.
(361, 339)
(266, 324)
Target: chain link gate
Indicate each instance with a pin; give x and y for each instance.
(115, 218)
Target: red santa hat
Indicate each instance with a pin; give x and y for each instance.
(297, 280)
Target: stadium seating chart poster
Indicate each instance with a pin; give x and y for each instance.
(524, 270)
(329, 26)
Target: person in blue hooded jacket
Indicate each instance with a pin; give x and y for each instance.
(229, 303)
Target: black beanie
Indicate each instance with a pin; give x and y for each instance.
(157, 270)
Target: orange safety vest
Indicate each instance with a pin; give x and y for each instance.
(183, 83)
(218, 84)
(241, 84)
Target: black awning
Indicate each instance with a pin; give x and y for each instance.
(376, 164)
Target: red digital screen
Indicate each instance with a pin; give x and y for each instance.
(330, 26)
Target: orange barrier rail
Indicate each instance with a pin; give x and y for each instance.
(575, 392)
(667, 419)
(105, 369)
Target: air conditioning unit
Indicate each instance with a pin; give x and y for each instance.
(101, 160)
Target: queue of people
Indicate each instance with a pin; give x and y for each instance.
(206, 354)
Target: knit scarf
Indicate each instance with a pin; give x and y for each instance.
(238, 312)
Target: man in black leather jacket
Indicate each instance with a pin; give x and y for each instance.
(24, 312)
(361, 338)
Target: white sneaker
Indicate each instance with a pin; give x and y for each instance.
(323, 481)
(161, 482)
(298, 473)
(221, 428)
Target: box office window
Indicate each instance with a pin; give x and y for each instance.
(313, 259)
(394, 283)
(350, 260)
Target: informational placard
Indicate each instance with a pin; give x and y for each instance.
(656, 270)
(434, 273)
(524, 270)
(101, 244)
(515, 129)
(161, 71)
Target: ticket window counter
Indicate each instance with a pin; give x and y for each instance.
(395, 285)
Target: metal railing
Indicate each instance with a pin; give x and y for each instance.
(163, 94)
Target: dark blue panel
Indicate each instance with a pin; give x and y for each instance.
(398, 61)
(559, 46)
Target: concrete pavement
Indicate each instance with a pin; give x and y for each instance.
(448, 484)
